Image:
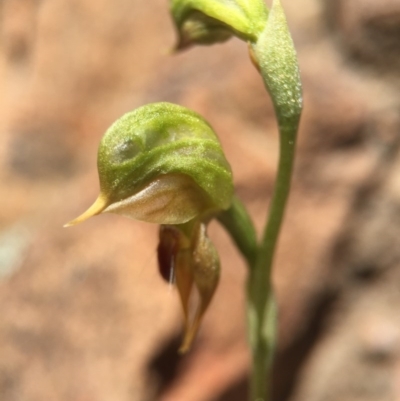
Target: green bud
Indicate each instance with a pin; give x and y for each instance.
(275, 54)
(210, 21)
(163, 164)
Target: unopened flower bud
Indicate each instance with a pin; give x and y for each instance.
(211, 21)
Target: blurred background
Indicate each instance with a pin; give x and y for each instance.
(84, 315)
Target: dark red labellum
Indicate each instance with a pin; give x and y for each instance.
(166, 252)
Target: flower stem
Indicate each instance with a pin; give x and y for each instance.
(262, 313)
(239, 225)
(276, 58)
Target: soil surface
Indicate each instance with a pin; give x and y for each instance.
(84, 314)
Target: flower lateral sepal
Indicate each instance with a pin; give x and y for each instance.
(189, 256)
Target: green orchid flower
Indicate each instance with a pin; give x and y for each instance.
(163, 164)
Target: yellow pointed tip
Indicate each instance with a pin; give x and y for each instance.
(176, 49)
(170, 51)
(183, 349)
(180, 46)
(98, 206)
(187, 340)
(191, 332)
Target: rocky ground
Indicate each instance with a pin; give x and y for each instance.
(84, 315)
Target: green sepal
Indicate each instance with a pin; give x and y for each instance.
(159, 139)
(163, 164)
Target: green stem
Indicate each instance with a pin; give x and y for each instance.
(261, 303)
(276, 58)
(239, 225)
